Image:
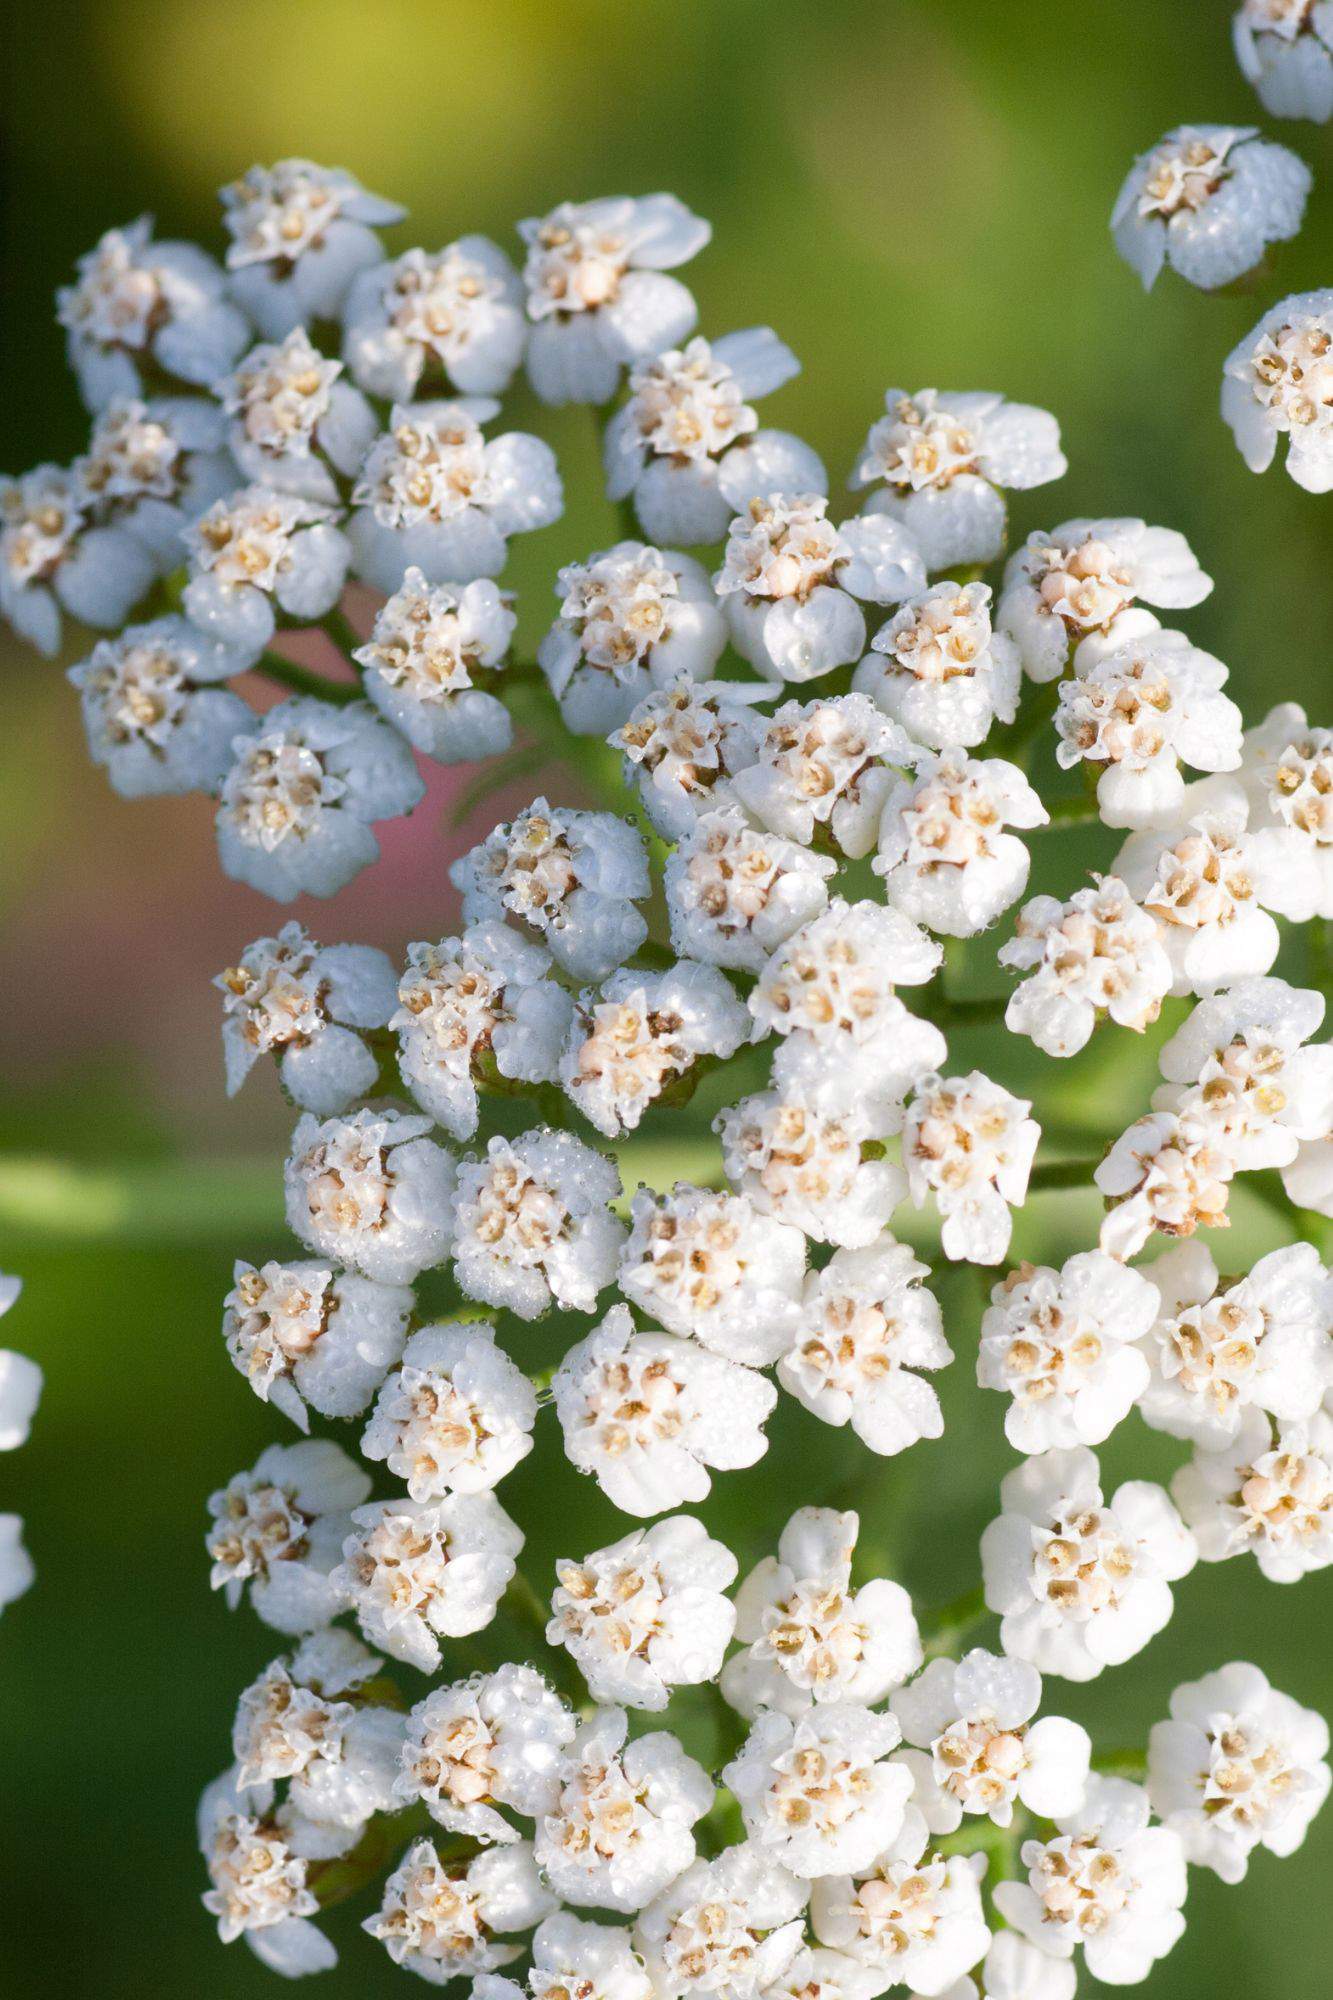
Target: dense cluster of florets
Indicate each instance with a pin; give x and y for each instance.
(826, 726)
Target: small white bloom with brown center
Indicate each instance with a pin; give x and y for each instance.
(1081, 1583)
(304, 1334)
(1238, 1069)
(712, 1266)
(292, 1717)
(1269, 1493)
(735, 891)
(54, 558)
(260, 1889)
(807, 1637)
(687, 447)
(1278, 383)
(1134, 712)
(573, 1959)
(911, 1919)
(296, 425)
(940, 670)
(632, 619)
(970, 1145)
(1287, 773)
(571, 877)
(867, 1325)
(534, 1225)
(817, 1791)
(984, 1753)
(436, 495)
(455, 313)
(431, 644)
(648, 1414)
(455, 1416)
(417, 1571)
(152, 712)
(620, 1829)
(633, 1037)
(598, 295)
(1208, 200)
(1285, 49)
(299, 233)
(1238, 1766)
(1166, 1172)
(470, 1005)
(817, 1169)
(943, 850)
(1090, 577)
(825, 764)
(372, 1191)
(277, 1531)
(647, 1614)
(1108, 1882)
(257, 553)
(1096, 953)
(1217, 1349)
(945, 460)
(683, 745)
(494, 1740)
(1062, 1345)
(309, 1006)
(454, 1919)
(728, 1927)
(793, 584)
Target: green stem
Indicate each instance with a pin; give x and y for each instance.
(342, 632)
(301, 680)
(1049, 1175)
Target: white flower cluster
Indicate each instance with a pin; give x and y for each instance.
(823, 793)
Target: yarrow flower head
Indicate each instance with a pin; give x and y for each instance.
(818, 1791)
(943, 852)
(1216, 1350)
(417, 1571)
(647, 1614)
(472, 1003)
(431, 646)
(1278, 382)
(598, 295)
(1134, 712)
(713, 1267)
(453, 1919)
(1081, 1583)
(807, 1637)
(648, 1414)
(911, 1919)
(1108, 1882)
(792, 583)
(682, 747)
(1208, 200)
(945, 460)
(154, 716)
(572, 877)
(971, 1145)
(1165, 1172)
(299, 235)
(1285, 49)
(941, 670)
(296, 425)
(730, 1926)
(1269, 1492)
(1084, 578)
(1097, 953)
(636, 1034)
(493, 1741)
(1238, 1766)
(1237, 1068)
(1062, 1345)
(338, 1757)
(260, 1888)
(371, 1191)
(278, 1529)
(310, 1006)
(1287, 772)
(620, 1830)
(454, 314)
(455, 1415)
(151, 468)
(304, 1334)
(817, 1169)
(736, 892)
(258, 552)
(437, 496)
(56, 558)
(533, 1225)
(687, 447)
(140, 305)
(824, 764)
(867, 1325)
(983, 1752)
(632, 619)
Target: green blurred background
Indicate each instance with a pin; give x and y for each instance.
(911, 193)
